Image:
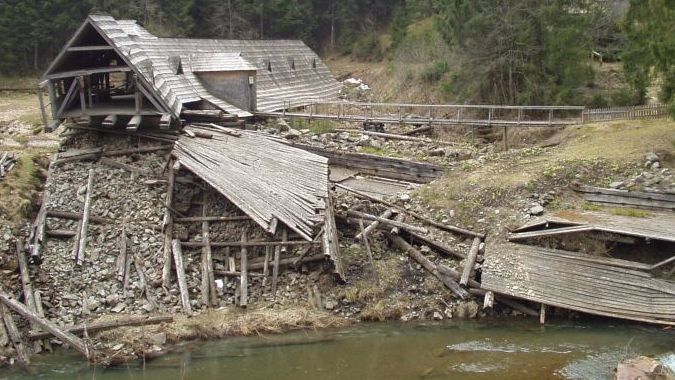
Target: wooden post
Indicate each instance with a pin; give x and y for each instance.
(89, 94)
(4, 338)
(168, 226)
(47, 325)
(266, 266)
(52, 98)
(83, 102)
(243, 287)
(208, 281)
(43, 112)
(275, 269)
(180, 273)
(488, 300)
(372, 226)
(82, 243)
(542, 314)
(506, 139)
(366, 245)
(14, 335)
(470, 261)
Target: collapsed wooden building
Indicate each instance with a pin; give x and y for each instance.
(115, 72)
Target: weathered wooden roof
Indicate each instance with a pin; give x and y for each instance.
(286, 69)
(261, 175)
(205, 62)
(653, 225)
(575, 281)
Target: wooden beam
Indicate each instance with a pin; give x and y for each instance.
(366, 245)
(75, 216)
(109, 121)
(390, 222)
(14, 335)
(444, 227)
(52, 99)
(47, 325)
(27, 286)
(90, 48)
(82, 244)
(470, 262)
(67, 99)
(201, 219)
(208, 281)
(180, 274)
(168, 227)
(83, 102)
(385, 215)
(252, 243)
(428, 265)
(134, 123)
(77, 73)
(243, 287)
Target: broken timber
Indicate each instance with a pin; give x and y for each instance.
(99, 326)
(650, 200)
(46, 325)
(380, 166)
(180, 274)
(428, 265)
(569, 280)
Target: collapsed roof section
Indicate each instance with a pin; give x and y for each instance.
(280, 69)
(267, 179)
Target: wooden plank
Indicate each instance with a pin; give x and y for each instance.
(331, 243)
(109, 121)
(82, 236)
(372, 226)
(168, 227)
(14, 335)
(90, 48)
(252, 243)
(390, 222)
(180, 274)
(470, 262)
(60, 214)
(275, 269)
(48, 326)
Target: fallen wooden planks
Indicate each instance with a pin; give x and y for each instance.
(380, 166)
(84, 222)
(391, 136)
(167, 227)
(48, 326)
(470, 262)
(569, 280)
(627, 198)
(390, 222)
(274, 182)
(444, 227)
(6, 164)
(428, 265)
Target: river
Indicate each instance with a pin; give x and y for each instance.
(504, 349)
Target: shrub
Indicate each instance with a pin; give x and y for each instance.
(435, 72)
(368, 48)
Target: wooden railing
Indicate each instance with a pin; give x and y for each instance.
(647, 112)
(431, 114)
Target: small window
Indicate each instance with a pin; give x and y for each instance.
(314, 63)
(176, 64)
(291, 63)
(269, 65)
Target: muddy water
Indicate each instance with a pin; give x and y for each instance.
(505, 349)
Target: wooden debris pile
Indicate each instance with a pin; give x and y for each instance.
(7, 163)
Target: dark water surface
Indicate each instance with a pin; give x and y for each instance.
(504, 349)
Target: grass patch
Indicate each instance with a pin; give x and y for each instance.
(314, 126)
(20, 187)
(14, 82)
(631, 212)
(588, 206)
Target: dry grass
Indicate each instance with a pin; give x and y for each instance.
(589, 153)
(368, 290)
(19, 189)
(229, 322)
(631, 212)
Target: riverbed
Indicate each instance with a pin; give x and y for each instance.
(503, 349)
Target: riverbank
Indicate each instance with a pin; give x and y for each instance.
(483, 189)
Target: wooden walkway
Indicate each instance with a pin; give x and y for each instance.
(431, 114)
(656, 226)
(601, 286)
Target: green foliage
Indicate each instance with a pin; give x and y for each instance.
(650, 52)
(435, 72)
(399, 24)
(519, 51)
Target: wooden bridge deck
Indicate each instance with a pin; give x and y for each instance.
(431, 114)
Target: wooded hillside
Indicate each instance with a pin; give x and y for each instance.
(493, 51)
